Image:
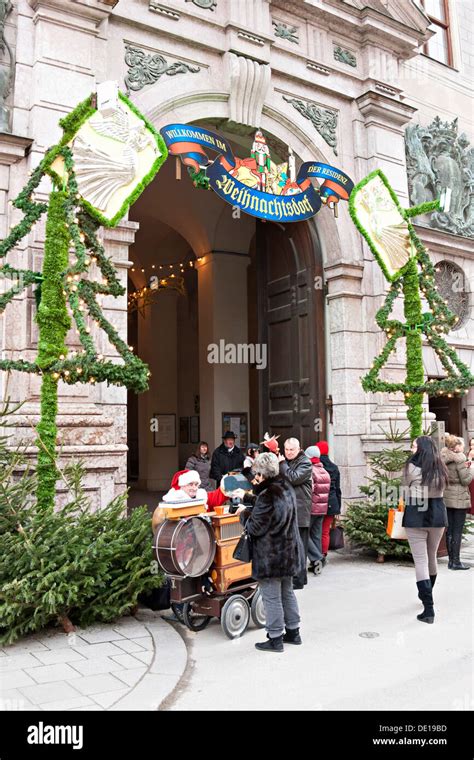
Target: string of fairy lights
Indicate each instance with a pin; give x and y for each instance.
(178, 267)
(168, 276)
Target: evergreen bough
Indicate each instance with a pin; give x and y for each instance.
(365, 521)
(67, 566)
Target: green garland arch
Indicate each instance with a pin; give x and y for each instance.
(62, 284)
(417, 275)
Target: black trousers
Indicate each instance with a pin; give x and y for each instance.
(456, 520)
(301, 579)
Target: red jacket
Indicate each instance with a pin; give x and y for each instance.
(321, 488)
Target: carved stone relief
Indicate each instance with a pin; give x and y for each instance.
(323, 119)
(145, 68)
(344, 56)
(289, 33)
(6, 71)
(440, 159)
(451, 283)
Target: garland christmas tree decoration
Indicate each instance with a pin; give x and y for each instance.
(108, 154)
(378, 215)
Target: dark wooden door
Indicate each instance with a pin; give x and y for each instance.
(291, 324)
(448, 410)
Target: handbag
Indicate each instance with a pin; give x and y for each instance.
(336, 536)
(395, 528)
(243, 550)
(157, 598)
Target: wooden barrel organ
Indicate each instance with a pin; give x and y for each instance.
(195, 551)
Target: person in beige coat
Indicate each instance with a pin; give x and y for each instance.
(457, 497)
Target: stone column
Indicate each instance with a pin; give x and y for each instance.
(380, 127)
(222, 297)
(347, 349)
(12, 150)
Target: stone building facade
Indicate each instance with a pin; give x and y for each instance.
(337, 80)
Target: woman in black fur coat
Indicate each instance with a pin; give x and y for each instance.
(277, 553)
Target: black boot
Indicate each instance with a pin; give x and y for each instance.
(433, 581)
(456, 539)
(426, 595)
(292, 636)
(271, 645)
(449, 547)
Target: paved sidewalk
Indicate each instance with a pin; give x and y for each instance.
(363, 648)
(131, 665)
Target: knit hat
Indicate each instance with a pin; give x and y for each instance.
(323, 447)
(313, 452)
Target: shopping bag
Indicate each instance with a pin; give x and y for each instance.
(336, 536)
(395, 528)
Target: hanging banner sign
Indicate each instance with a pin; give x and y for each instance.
(257, 185)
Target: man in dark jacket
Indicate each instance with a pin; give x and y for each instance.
(226, 457)
(296, 467)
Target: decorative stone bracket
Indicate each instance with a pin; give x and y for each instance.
(249, 84)
(323, 119)
(145, 69)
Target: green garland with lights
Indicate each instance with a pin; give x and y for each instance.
(63, 285)
(54, 322)
(417, 275)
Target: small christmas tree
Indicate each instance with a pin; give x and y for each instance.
(365, 521)
(67, 566)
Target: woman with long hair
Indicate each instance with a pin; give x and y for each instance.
(424, 479)
(201, 462)
(457, 497)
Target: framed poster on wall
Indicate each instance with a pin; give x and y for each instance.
(164, 430)
(237, 423)
(194, 433)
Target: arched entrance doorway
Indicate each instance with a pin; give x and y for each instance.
(257, 283)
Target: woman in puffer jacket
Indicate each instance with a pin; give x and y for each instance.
(457, 497)
(201, 462)
(319, 506)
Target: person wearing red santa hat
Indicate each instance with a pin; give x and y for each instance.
(335, 497)
(185, 486)
(271, 443)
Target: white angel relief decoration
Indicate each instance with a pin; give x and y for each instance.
(99, 173)
(387, 228)
(113, 151)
